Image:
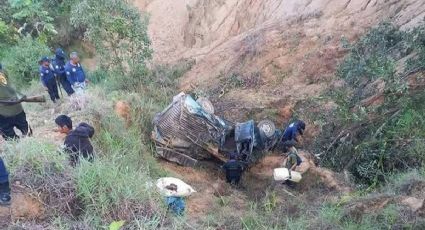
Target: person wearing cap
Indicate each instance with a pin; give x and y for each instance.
(75, 73)
(47, 78)
(11, 115)
(233, 169)
(58, 64)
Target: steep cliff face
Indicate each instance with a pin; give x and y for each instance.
(279, 51)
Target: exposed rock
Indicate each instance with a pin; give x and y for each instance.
(357, 209)
(413, 203)
(123, 110)
(285, 113)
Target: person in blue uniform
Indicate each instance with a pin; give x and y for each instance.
(291, 133)
(47, 78)
(58, 64)
(4, 185)
(75, 73)
(293, 130)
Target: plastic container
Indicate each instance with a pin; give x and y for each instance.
(281, 174)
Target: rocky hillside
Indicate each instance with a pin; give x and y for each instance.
(265, 53)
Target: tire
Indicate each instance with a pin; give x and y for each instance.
(267, 127)
(206, 105)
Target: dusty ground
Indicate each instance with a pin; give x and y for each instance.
(283, 51)
(25, 206)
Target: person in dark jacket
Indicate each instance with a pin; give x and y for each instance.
(75, 73)
(293, 130)
(47, 78)
(11, 115)
(4, 185)
(291, 133)
(233, 169)
(58, 64)
(77, 141)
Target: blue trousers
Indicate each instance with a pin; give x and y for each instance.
(66, 85)
(4, 175)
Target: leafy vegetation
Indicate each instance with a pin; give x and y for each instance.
(22, 61)
(116, 190)
(386, 137)
(119, 34)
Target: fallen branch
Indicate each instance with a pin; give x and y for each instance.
(289, 193)
(385, 123)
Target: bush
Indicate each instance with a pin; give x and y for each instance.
(372, 57)
(119, 34)
(386, 138)
(21, 61)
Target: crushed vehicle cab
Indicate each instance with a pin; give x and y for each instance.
(188, 131)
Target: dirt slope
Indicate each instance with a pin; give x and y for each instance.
(281, 50)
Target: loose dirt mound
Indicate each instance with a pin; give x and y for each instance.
(209, 184)
(24, 206)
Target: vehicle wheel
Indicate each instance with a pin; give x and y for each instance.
(267, 127)
(206, 105)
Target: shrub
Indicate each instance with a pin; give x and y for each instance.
(21, 61)
(372, 56)
(119, 34)
(386, 138)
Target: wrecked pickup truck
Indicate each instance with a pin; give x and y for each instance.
(187, 131)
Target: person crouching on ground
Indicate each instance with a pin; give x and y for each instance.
(75, 73)
(11, 115)
(48, 79)
(233, 169)
(77, 141)
(4, 185)
(291, 161)
(293, 131)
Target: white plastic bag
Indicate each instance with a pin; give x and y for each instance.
(183, 189)
(280, 174)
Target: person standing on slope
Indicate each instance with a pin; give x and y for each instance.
(58, 64)
(11, 114)
(48, 80)
(75, 73)
(4, 184)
